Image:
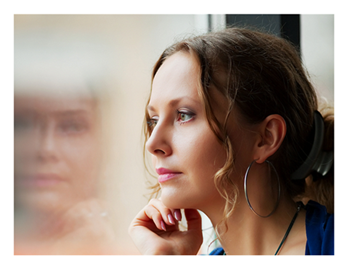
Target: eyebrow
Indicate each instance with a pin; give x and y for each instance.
(70, 112)
(174, 102)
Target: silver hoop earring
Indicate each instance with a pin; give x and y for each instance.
(245, 189)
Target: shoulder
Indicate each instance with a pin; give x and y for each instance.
(319, 230)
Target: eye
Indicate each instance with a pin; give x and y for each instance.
(152, 123)
(23, 123)
(72, 126)
(184, 117)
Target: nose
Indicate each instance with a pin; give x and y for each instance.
(47, 148)
(159, 142)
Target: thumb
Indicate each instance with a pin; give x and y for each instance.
(193, 218)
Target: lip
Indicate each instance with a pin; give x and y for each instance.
(166, 174)
(40, 180)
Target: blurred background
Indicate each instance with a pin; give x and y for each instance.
(80, 87)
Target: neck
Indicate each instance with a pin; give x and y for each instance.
(249, 234)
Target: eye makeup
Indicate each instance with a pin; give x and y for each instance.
(72, 126)
(185, 116)
(152, 123)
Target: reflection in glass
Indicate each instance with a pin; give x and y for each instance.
(58, 155)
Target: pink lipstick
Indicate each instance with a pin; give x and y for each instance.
(166, 174)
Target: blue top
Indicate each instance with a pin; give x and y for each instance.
(319, 229)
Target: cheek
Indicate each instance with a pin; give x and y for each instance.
(153, 160)
(25, 153)
(243, 149)
(82, 156)
(25, 143)
(212, 158)
(206, 154)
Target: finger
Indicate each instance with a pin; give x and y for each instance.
(166, 213)
(177, 214)
(193, 219)
(154, 214)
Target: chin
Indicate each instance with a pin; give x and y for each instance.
(178, 200)
(171, 203)
(44, 202)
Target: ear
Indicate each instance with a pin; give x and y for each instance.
(272, 133)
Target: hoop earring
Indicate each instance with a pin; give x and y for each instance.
(245, 189)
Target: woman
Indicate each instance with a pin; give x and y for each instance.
(57, 208)
(233, 130)
(58, 152)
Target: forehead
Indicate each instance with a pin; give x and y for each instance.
(51, 104)
(178, 76)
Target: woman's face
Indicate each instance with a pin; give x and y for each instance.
(57, 150)
(185, 151)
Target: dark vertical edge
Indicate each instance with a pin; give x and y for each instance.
(290, 29)
(209, 23)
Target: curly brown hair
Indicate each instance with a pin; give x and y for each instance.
(260, 74)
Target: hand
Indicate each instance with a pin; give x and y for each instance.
(155, 230)
(82, 229)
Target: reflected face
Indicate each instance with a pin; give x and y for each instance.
(185, 151)
(56, 150)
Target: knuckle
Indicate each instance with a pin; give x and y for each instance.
(153, 200)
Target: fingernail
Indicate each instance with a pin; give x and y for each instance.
(170, 219)
(163, 225)
(178, 215)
